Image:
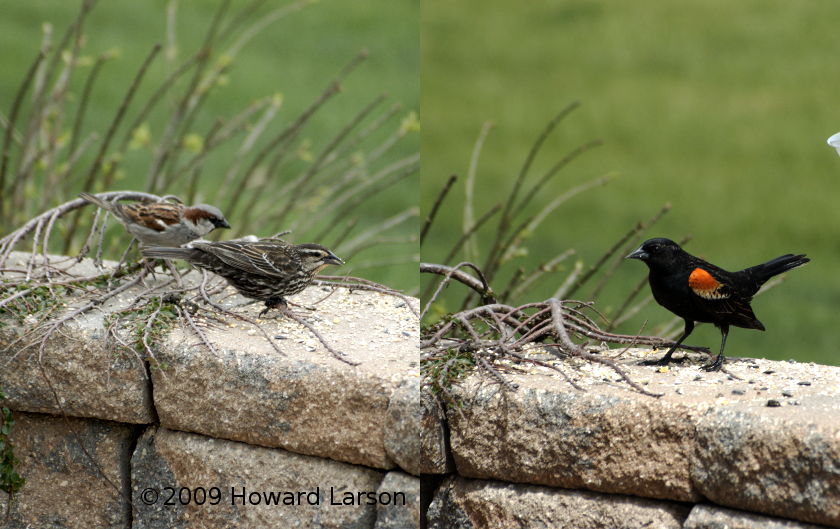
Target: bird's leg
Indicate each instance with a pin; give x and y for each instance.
(174, 272)
(665, 360)
(273, 303)
(149, 265)
(718, 363)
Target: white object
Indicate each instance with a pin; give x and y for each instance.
(834, 141)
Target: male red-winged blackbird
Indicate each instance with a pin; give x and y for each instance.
(264, 270)
(697, 291)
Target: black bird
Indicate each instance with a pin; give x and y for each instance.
(265, 270)
(697, 291)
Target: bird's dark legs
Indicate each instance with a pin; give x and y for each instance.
(718, 363)
(665, 360)
(273, 303)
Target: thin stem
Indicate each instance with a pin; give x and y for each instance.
(435, 206)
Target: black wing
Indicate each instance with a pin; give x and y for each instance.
(712, 293)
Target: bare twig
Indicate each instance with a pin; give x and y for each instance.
(560, 328)
(435, 207)
(469, 242)
(484, 290)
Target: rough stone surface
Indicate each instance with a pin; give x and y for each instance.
(618, 443)
(63, 488)
(90, 381)
(305, 400)
(467, 504)
(402, 424)
(608, 437)
(713, 517)
(783, 461)
(395, 515)
(227, 469)
(435, 455)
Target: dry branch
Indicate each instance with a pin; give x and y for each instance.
(506, 329)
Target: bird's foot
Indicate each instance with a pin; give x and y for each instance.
(714, 366)
(273, 303)
(149, 266)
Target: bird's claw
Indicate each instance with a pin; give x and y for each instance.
(714, 366)
(274, 303)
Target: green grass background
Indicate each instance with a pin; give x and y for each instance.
(720, 108)
(296, 56)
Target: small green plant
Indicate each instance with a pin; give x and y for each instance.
(147, 324)
(10, 481)
(442, 371)
(30, 299)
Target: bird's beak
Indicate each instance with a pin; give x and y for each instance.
(639, 254)
(222, 224)
(333, 259)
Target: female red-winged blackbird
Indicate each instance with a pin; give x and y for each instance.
(265, 270)
(697, 291)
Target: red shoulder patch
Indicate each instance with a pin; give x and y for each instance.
(702, 280)
(706, 286)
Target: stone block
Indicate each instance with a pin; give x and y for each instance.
(63, 487)
(611, 440)
(435, 454)
(393, 514)
(465, 503)
(705, 516)
(783, 461)
(402, 426)
(764, 439)
(189, 480)
(90, 381)
(303, 400)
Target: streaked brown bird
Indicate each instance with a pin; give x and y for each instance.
(163, 223)
(696, 291)
(267, 271)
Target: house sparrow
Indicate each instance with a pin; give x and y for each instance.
(265, 270)
(163, 223)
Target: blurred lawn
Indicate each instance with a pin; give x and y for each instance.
(296, 56)
(720, 108)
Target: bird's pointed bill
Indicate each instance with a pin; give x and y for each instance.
(333, 259)
(639, 254)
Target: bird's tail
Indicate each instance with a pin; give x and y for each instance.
(777, 266)
(165, 252)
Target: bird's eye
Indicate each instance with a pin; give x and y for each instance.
(655, 248)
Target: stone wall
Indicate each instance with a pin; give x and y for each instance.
(759, 448)
(241, 436)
